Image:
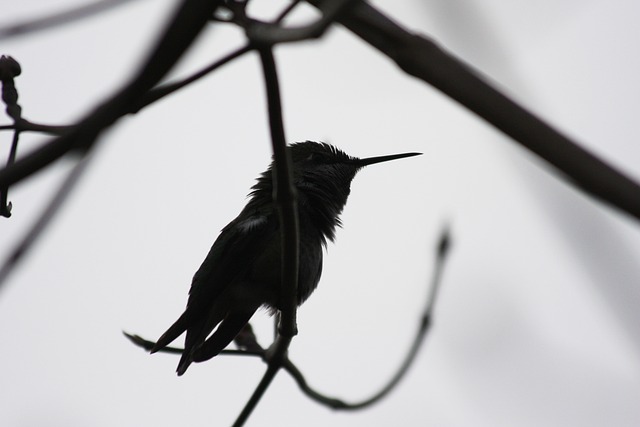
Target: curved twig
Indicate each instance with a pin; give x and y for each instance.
(444, 245)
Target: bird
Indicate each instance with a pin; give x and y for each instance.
(242, 271)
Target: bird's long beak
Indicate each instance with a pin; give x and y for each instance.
(380, 159)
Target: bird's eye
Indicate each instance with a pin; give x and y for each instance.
(317, 158)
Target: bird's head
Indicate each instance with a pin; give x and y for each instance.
(318, 164)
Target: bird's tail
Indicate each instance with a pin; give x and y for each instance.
(172, 333)
(223, 335)
(184, 363)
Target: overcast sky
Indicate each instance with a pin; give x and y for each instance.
(537, 322)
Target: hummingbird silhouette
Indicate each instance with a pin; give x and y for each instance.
(242, 273)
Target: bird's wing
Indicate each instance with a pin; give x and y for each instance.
(232, 254)
(235, 250)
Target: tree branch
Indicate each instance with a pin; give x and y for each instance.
(285, 200)
(59, 18)
(422, 58)
(186, 24)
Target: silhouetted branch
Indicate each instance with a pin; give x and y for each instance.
(285, 201)
(161, 91)
(444, 245)
(59, 18)
(424, 59)
(287, 10)
(284, 196)
(152, 96)
(186, 24)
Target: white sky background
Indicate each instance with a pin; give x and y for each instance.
(537, 322)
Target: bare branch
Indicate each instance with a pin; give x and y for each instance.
(444, 245)
(422, 58)
(287, 10)
(160, 92)
(60, 18)
(285, 200)
(186, 24)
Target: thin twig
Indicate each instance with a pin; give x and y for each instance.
(161, 91)
(266, 380)
(444, 245)
(59, 18)
(149, 98)
(285, 200)
(286, 11)
(443, 248)
(424, 59)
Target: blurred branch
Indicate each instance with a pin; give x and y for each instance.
(60, 18)
(185, 25)
(424, 59)
(161, 91)
(152, 96)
